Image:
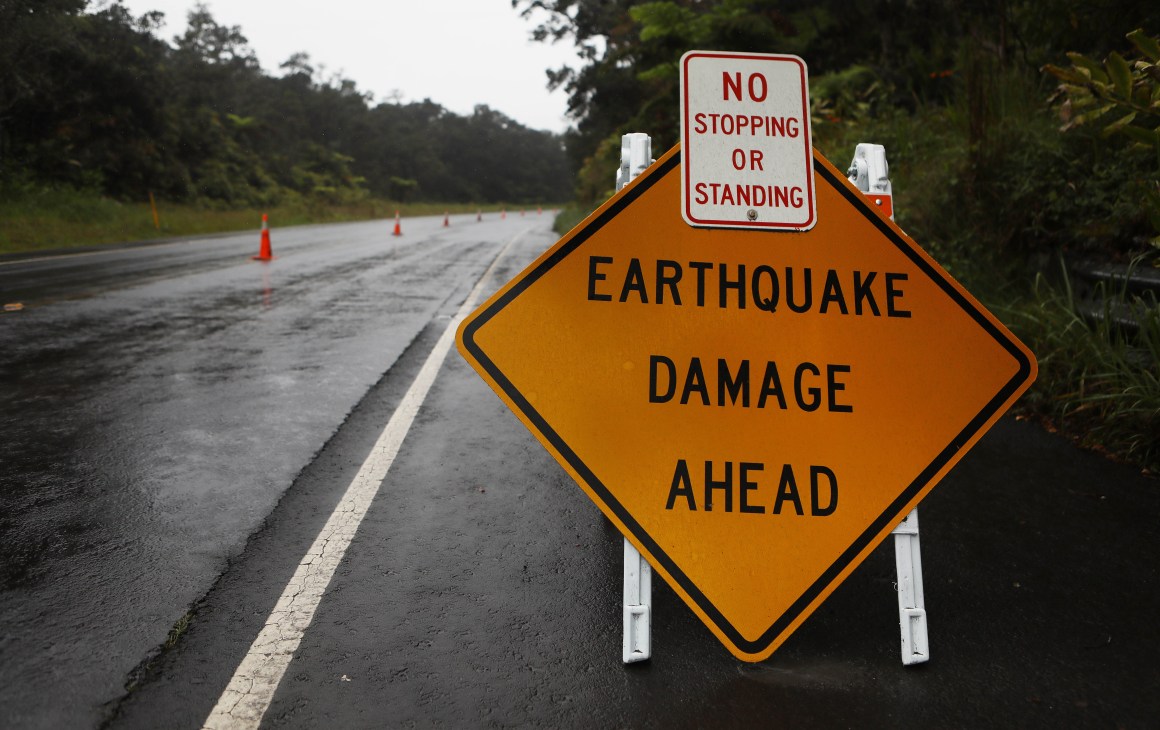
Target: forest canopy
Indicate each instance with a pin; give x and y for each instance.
(869, 60)
(91, 97)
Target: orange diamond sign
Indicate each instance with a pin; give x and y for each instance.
(755, 411)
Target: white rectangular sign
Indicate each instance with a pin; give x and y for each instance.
(745, 141)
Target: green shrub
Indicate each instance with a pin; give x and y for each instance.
(1121, 98)
(1099, 382)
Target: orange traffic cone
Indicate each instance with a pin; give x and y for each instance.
(398, 227)
(264, 252)
(446, 219)
(539, 210)
(503, 214)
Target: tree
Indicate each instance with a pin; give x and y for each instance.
(94, 99)
(906, 57)
(632, 49)
(81, 103)
(215, 44)
(32, 30)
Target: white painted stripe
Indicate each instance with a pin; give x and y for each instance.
(250, 691)
(106, 251)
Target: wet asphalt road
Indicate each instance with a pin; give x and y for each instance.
(159, 422)
(158, 401)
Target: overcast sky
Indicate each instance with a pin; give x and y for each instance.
(458, 53)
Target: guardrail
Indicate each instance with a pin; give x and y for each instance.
(1119, 294)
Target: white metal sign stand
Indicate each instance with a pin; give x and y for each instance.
(911, 611)
(635, 156)
(870, 173)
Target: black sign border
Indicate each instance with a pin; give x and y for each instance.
(893, 510)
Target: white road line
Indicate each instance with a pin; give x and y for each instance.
(105, 251)
(250, 691)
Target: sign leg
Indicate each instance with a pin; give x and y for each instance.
(637, 606)
(911, 611)
(635, 156)
(870, 173)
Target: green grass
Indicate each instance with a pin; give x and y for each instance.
(1098, 382)
(570, 216)
(49, 219)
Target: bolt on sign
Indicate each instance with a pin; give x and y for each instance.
(745, 133)
(754, 411)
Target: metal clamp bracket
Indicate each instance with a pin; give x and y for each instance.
(870, 173)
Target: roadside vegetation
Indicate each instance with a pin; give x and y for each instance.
(1023, 138)
(43, 219)
(98, 114)
(1024, 146)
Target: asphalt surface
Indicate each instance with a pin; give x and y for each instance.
(151, 483)
(157, 403)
